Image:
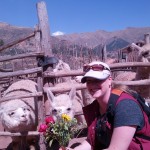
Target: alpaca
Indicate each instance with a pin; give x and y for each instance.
(62, 66)
(75, 100)
(62, 104)
(141, 72)
(65, 82)
(65, 103)
(20, 115)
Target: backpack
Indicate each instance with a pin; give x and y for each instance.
(113, 102)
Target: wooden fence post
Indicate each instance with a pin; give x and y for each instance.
(38, 40)
(46, 47)
(104, 53)
(44, 27)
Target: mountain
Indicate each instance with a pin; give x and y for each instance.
(8, 33)
(91, 40)
(116, 43)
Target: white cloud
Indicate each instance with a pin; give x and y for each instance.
(58, 33)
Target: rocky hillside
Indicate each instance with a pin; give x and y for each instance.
(9, 33)
(93, 39)
(114, 40)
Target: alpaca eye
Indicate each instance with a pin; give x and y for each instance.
(54, 111)
(68, 109)
(26, 109)
(12, 113)
(145, 54)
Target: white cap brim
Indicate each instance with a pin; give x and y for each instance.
(100, 75)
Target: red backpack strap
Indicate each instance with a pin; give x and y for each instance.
(91, 112)
(114, 96)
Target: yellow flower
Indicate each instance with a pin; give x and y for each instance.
(66, 117)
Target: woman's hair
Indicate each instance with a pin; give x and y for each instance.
(124, 88)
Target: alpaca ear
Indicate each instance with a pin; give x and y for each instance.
(50, 95)
(72, 93)
(1, 111)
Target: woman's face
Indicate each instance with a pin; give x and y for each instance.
(98, 88)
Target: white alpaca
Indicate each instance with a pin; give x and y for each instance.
(141, 72)
(62, 103)
(19, 115)
(62, 66)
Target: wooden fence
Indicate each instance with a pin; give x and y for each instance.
(41, 75)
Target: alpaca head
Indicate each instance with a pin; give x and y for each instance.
(62, 104)
(144, 55)
(16, 116)
(61, 66)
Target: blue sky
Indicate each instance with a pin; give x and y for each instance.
(78, 16)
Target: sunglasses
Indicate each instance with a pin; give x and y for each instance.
(96, 67)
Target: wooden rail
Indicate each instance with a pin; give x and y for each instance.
(65, 89)
(21, 72)
(63, 73)
(30, 133)
(20, 56)
(5, 70)
(133, 83)
(114, 67)
(37, 94)
(129, 64)
(83, 86)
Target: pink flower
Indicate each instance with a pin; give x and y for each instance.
(49, 120)
(42, 128)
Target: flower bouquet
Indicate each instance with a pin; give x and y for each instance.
(61, 130)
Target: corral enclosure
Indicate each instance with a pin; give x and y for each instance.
(38, 65)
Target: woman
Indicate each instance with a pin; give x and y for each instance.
(119, 133)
